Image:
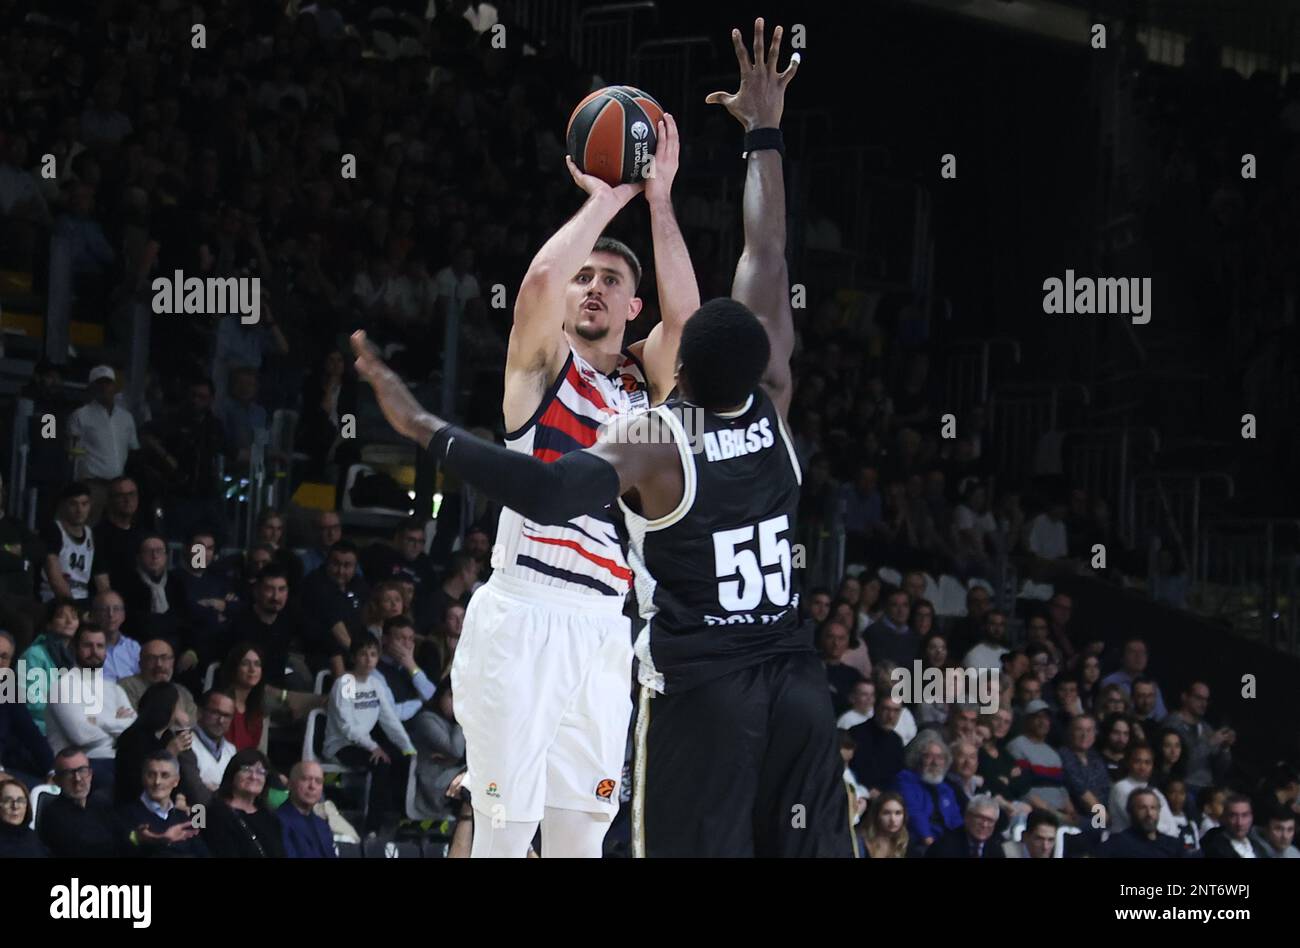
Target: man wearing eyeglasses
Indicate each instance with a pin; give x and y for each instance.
(211, 749)
(118, 534)
(974, 840)
(74, 826)
(122, 652)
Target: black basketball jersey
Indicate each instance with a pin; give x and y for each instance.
(714, 578)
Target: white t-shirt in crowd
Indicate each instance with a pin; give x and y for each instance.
(1047, 538)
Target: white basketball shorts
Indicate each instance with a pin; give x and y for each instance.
(543, 684)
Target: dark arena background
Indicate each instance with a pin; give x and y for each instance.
(1098, 504)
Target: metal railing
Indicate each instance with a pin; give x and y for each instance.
(1102, 462)
(1170, 503)
(666, 69)
(1019, 416)
(968, 369)
(551, 20)
(604, 38)
(1250, 576)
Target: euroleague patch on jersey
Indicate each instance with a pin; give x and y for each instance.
(492, 790)
(605, 790)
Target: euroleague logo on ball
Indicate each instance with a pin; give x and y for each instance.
(639, 131)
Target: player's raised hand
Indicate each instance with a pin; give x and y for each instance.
(761, 98)
(659, 186)
(598, 188)
(399, 406)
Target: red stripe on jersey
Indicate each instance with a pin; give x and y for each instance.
(560, 417)
(547, 454)
(621, 572)
(584, 389)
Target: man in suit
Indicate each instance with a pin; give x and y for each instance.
(1231, 839)
(974, 840)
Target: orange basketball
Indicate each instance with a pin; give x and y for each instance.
(611, 134)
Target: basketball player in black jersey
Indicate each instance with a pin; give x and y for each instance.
(737, 751)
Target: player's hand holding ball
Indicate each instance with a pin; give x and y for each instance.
(761, 98)
(600, 189)
(660, 174)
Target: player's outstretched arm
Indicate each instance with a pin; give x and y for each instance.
(762, 279)
(537, 334)
(581, 482)
(679, 292)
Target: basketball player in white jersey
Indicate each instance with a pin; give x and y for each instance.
(542, 674)
(69, 547)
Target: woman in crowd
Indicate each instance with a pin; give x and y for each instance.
(52, 648)
(1171, 756)
(240, 823)
(934, 654)
(1089, 674)
(887, 836)
(869, 603)
(257, 704)
(17, 839)
(1111, 700)
(856, 657)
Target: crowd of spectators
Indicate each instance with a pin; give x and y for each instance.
(225, 160)
(1074, 753)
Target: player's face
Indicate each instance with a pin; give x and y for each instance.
(601, 297)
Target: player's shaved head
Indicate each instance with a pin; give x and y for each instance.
(723, 354)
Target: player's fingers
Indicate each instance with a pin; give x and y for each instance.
(790, 70)
(670, 124)
(774, 51)
(760, 58)
(718, 98)
(742, 54)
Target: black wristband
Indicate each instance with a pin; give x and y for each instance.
(442, 439)
(761, 138)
